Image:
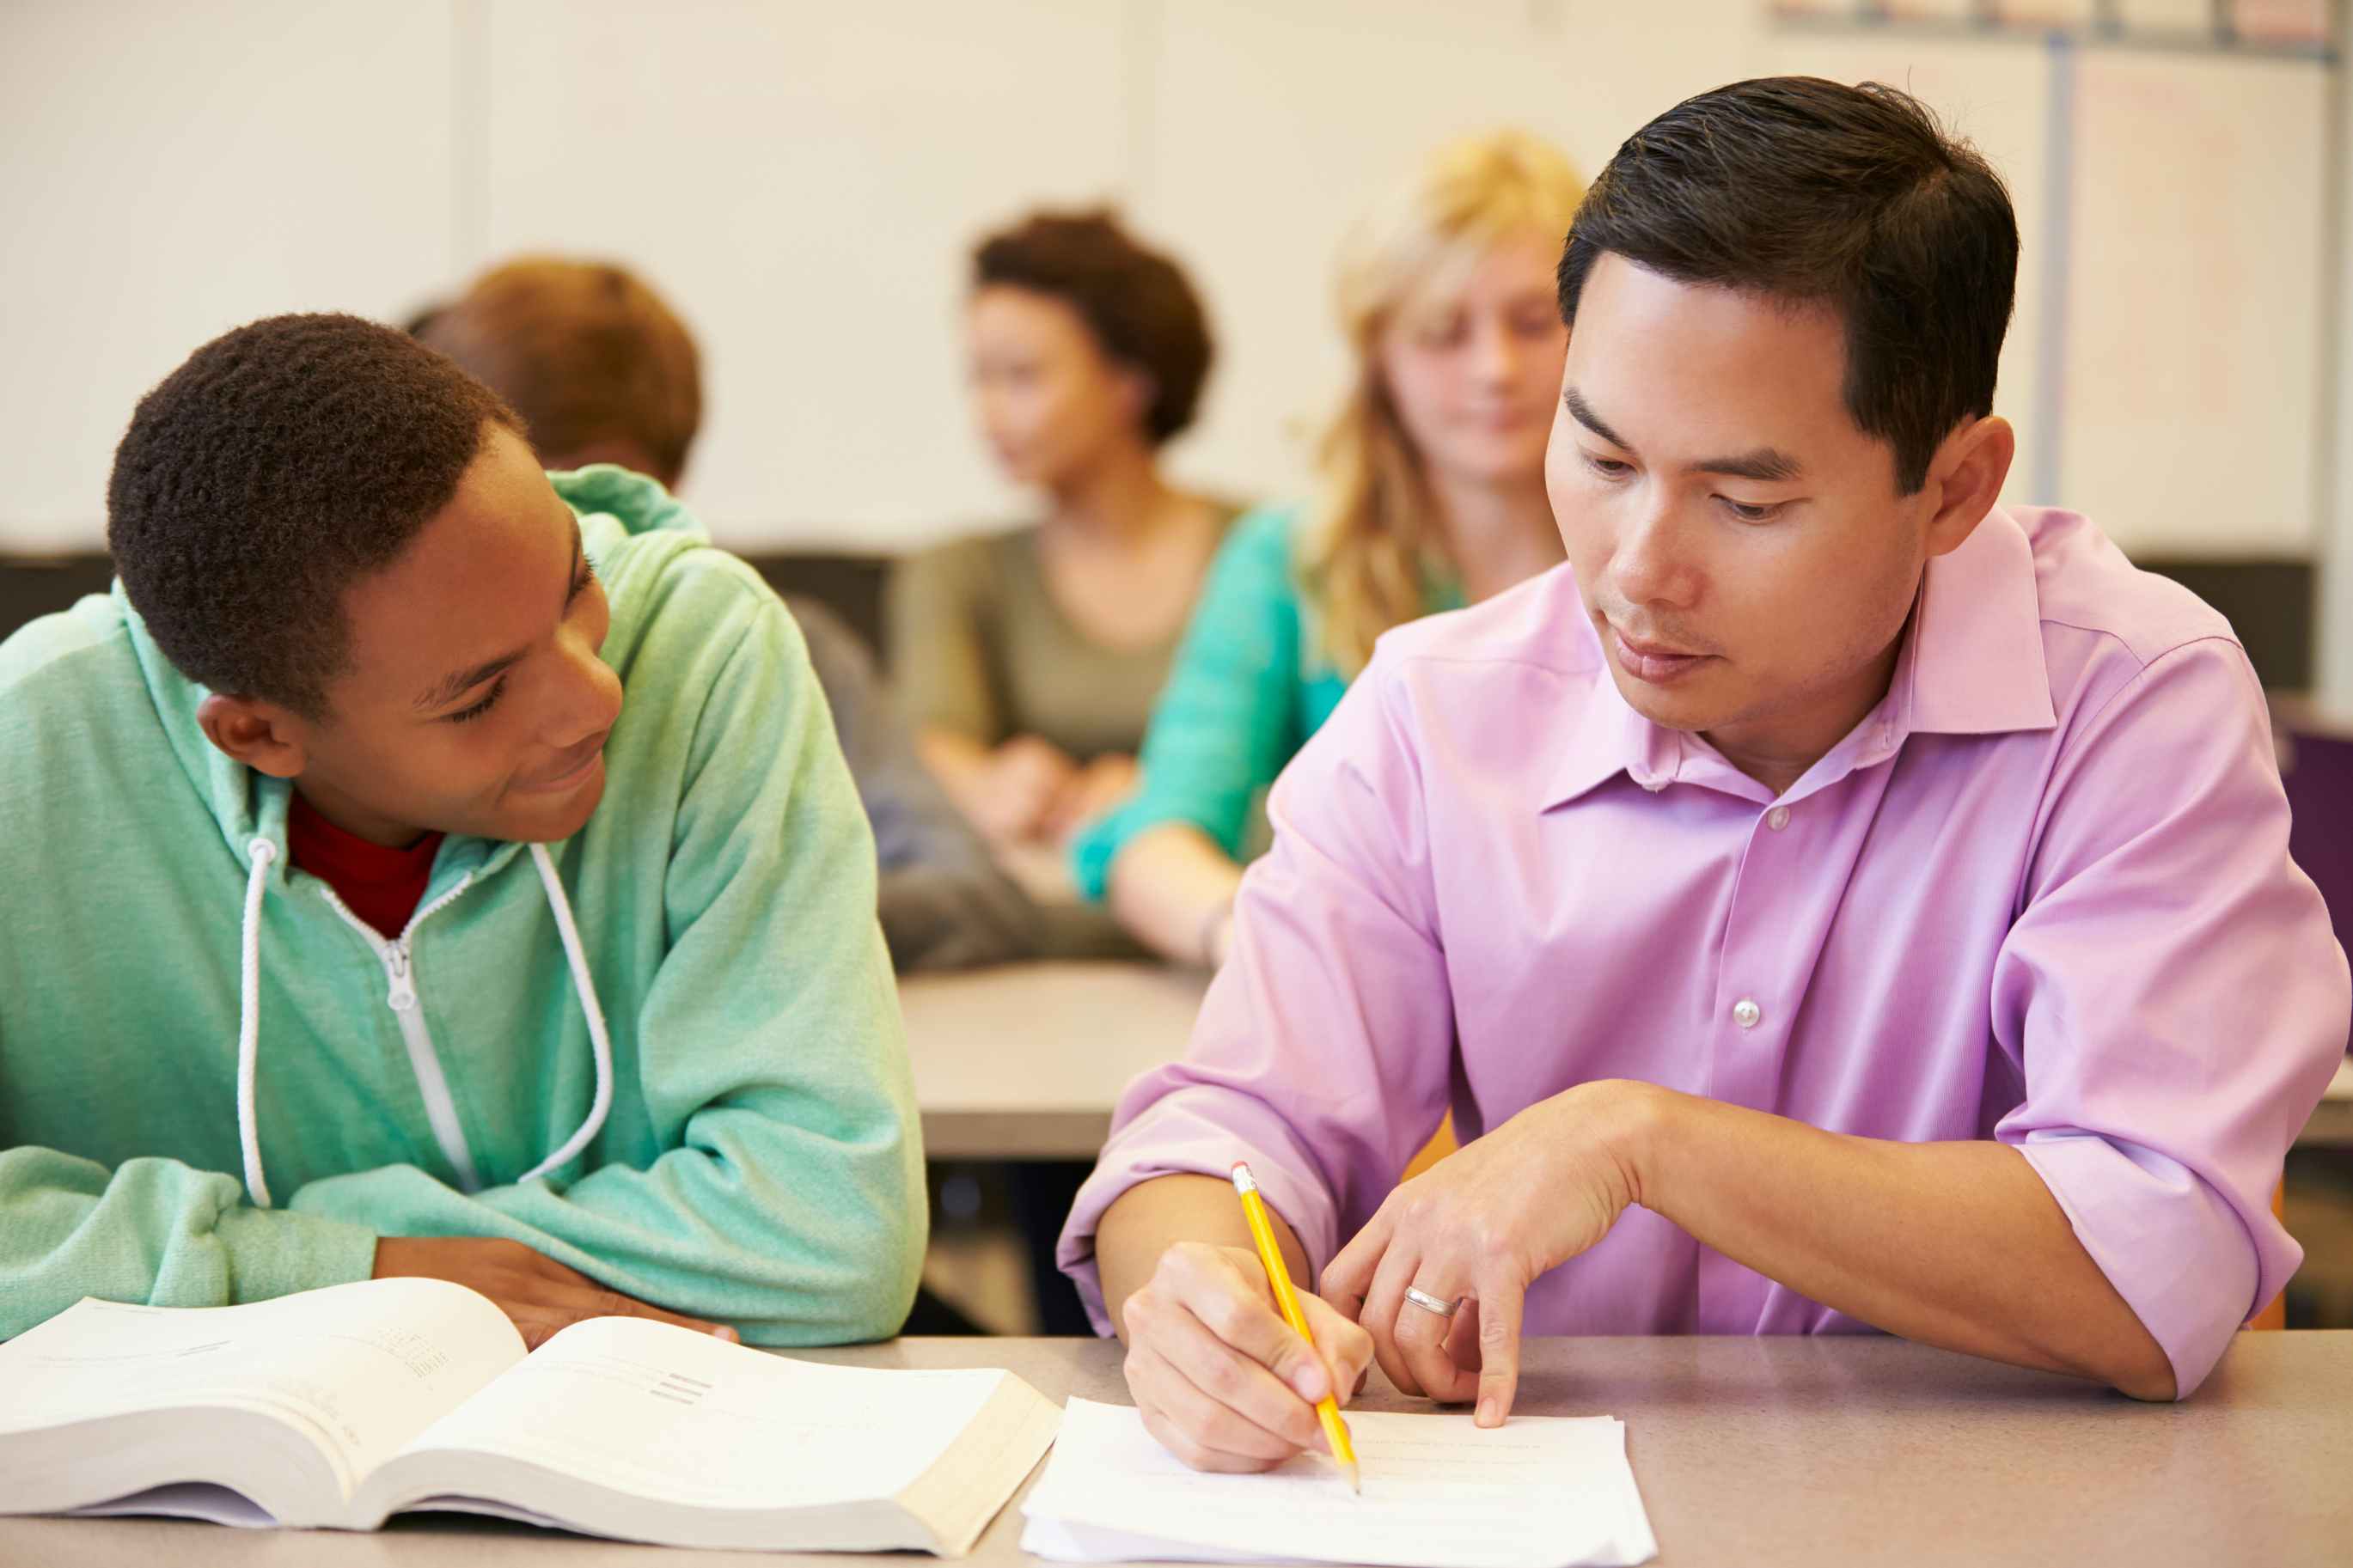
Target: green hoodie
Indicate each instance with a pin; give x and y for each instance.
(757, 1162)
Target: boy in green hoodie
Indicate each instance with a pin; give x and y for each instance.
(421, 864)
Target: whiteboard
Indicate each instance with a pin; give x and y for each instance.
(805, 180)
(171, 171)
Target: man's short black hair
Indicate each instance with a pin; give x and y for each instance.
(285, 460)
(1137, 302)
(1852, 197)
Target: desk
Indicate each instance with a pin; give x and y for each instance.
(1825, 1452)
(1027, 1062)
(2331, 1126)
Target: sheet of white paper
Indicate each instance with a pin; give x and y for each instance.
(653, 1411)
(1537, 1492)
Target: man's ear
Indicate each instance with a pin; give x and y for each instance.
(265, 737)
(1965, 480)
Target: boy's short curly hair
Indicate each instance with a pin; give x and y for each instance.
(1138, 302)
(282, 462)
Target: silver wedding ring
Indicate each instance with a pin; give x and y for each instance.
(1430, 1303)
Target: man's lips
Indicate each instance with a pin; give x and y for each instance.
(1654, 662)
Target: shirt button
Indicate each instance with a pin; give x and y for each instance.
(1746, 1012)
(1777, 818)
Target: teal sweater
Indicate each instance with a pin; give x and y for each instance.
(759, 1162)
(1247, 690)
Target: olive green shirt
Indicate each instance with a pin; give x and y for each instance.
(979, 648)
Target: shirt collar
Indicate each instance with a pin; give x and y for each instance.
(1971, 664)
(1977, 638)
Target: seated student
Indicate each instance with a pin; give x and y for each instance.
(416, 868)
(603, 372)
(1028, 661)
(1828, 900)
(1433, 492)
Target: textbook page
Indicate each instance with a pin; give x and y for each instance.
(357, 1370)
(1439, 1493)
(668, 1415)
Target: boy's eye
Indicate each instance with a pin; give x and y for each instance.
(490, 699)
(1609, 467)
(580, 584)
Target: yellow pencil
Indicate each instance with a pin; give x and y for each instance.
(1335, 1431)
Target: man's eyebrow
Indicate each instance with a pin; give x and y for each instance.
(1765, 465)
(458, 682)
(1582, 412)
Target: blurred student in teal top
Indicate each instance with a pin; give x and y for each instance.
(1430, 495)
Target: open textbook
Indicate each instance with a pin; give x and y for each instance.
(1537, 1492)
(342, 1407)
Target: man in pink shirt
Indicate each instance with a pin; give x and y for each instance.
(1828, 902)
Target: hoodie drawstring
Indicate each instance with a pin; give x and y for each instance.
(249, 1020)
(601, 1047)
(249, 1023)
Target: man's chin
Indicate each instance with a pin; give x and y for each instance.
(1669, 708)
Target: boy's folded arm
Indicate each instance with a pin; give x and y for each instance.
(788, 1199)
(155, 1231)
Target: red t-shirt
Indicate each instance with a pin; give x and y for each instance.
(380, 886)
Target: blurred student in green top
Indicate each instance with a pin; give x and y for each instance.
(1430, 495)
(1028, 660)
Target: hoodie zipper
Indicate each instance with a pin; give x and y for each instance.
(400, 974)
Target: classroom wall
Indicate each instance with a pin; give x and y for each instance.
(803, 179)
(2337, 424)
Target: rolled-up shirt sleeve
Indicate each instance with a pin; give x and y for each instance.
(1322, 1051)
(2175, 998)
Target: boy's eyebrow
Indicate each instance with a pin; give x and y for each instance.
(1765, 465)
(455, 685)
(451, 687)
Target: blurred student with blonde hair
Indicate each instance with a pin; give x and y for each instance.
(1430, 497)
(603, 370)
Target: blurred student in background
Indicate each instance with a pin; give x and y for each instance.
(1028, 661)
(604, 371)
(1431, 496)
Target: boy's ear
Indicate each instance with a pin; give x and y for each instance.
(264, 736)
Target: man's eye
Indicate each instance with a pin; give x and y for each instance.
(1608, 468)
(1752, 511)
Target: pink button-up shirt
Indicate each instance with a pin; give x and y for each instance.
(2040, 893)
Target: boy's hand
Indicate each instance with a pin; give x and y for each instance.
(538, 1293)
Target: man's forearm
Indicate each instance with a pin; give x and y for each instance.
(1152, 1216)
(1959, 1244)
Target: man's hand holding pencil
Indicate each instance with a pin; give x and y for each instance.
(1220, 1380)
